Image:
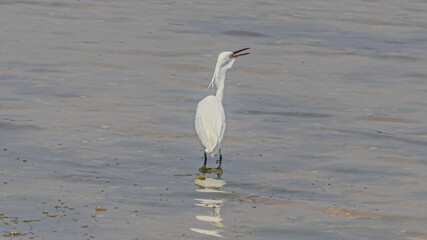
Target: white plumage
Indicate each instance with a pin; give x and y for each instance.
(210, 116)
(210, 124)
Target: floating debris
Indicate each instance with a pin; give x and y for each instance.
(49, 215)
(100, 209)
(13, 234)
(28, 221)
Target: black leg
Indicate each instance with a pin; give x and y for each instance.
(203, 169)
(220, 158)
(218, 170)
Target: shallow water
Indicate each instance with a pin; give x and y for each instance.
(326, 120)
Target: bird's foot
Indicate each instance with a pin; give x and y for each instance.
(204, 169)
(217, 171)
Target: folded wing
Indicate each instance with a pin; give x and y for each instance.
(210, 123)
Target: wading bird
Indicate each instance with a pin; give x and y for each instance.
(210, 117)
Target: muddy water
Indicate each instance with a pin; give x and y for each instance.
(327, 121)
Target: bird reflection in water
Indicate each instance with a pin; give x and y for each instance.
(214, 201)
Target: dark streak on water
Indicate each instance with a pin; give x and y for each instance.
(287, 114)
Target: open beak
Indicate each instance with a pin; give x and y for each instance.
(236, 55)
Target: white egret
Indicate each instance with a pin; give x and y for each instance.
(210, 117)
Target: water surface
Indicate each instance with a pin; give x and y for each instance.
(326, 120)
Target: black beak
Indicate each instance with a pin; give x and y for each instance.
(236, 55)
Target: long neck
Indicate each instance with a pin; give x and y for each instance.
(219, 82)
(220, 92)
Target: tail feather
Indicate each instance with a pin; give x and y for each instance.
(211, 150)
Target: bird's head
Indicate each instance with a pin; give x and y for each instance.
(225, 61)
